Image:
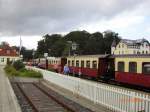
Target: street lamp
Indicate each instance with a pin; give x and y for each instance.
(74, 48)
(46, 61)
(33, 53)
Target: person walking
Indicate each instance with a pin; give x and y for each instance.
(66, 70)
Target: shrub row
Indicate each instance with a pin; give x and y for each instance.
(18, 69)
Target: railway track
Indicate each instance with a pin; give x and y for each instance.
(35, 97)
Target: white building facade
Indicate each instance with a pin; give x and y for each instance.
(125, 46)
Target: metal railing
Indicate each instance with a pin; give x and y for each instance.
(114, 98)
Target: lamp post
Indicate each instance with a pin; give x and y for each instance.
(33, 53)
(46, 61)
(74, 48)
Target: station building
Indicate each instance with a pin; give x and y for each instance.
(7, 54)
(126, 46)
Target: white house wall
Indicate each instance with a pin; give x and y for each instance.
(5, 59)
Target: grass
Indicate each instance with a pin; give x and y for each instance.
(11, 71)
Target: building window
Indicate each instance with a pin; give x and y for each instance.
(122, 45)
(146, 52)
(2, 59)
(94, 64)
(121, 66)
(142, 52)
(133, 67)
(82, 63)
(72, 63)
(77, 63)
(68, 62)
(146, 68)
(88, 64)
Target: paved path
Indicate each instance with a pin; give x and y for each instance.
(8, 100)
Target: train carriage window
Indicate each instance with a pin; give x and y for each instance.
(146, 68)
(77, 63)
(133, 67)
(49, 62)
(94, 64)
(72, 63)
(88, 64)
(82, 63)
(68, 62)
(121, 66)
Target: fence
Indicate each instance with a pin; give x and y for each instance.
(116, 99)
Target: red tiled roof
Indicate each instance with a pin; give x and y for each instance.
(8, 51)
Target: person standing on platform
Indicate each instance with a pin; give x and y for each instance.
(66, 70)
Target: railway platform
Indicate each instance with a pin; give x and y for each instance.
(8, 100)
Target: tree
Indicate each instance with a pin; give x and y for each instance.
(79, 37)
(109, 37)
(96, 43)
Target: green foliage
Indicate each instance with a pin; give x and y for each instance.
(11, 71)
(95, 43)
(18, 65)
(30, 73)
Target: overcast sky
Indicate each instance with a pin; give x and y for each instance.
(34, 18)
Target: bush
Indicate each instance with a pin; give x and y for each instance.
(18, 65)
(30, 73)
(10, 70)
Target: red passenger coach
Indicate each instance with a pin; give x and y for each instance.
(54, 63)
(93, 66)
(133, 69)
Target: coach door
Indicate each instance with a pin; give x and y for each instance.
(106, 65)
(102, 66)
(63, 62)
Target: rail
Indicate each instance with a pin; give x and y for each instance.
(114, 98)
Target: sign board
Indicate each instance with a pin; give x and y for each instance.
(45, 55)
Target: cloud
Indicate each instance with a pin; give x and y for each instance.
(37, 17)
(29, 42)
